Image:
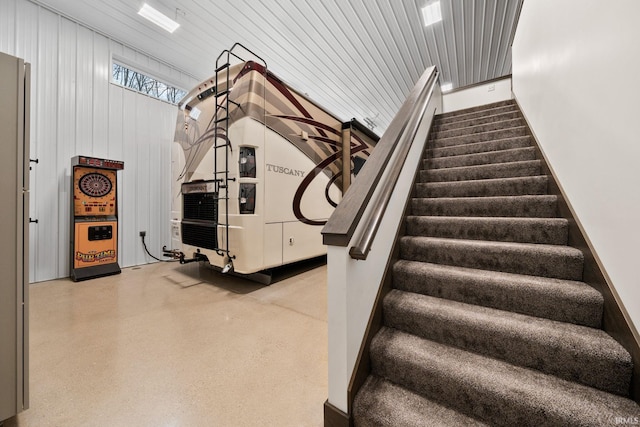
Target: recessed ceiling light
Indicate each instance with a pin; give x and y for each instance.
(431, 13)
(446, 87)
(158, 18)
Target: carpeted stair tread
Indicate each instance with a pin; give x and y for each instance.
(560, 262)
(479, 137)
(572, 352)
(383, 404)
(497, 170)
(554, 299)
(488, 317)
(489, 389)
(550, 231)
(541, 206)
(501, 156)
(480, 147)
(484, 110)
(518, 186)
(477, 128)
(499, 117)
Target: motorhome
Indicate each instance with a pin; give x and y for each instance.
(257, 168)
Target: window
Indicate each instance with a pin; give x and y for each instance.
(144, 84)
(247, 162)
(247, 198)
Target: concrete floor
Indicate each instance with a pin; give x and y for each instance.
(171, 345)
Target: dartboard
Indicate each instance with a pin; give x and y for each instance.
(95, 185)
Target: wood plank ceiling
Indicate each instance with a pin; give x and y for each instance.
(357, 58)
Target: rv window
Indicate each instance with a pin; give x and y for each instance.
(247, 198)
(247, 162)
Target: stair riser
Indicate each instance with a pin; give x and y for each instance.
(545, 207)
(472, 130)
(381, 403)
(479, 137)
(527, 346)
(457, 385)
(477, 121)
(502, 187)
(504, 156)
(435, 380)
(480, 147)
(472, 113)
(549, 232)
(509, 258)
(500, 170)
(582, 305)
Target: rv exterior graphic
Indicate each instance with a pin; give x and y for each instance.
(257, 170)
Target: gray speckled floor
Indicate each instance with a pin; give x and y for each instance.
(171, 345)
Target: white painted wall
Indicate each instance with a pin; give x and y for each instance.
(495, 91)
(575, 74)
(76, 110)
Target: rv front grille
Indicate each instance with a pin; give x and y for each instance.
(200, 206)
(200, 235)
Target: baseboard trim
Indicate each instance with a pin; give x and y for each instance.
(334, 417)
(615, 320)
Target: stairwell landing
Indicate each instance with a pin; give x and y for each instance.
(488, 322)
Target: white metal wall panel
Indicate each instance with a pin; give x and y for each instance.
(66, 142)
(153, 158)
(7, 26)
(153, 221)
(84, 91)
(129, 179)
(146, 129)
(100, 108)
(44, 189)
(26, 40)
(77, 111)
(26, 47)
(142, 115)
(116, 149)
(166, 130)
(162, 145)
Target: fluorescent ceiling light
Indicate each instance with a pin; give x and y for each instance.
(446, 87)
(158, 18)
(431, 13)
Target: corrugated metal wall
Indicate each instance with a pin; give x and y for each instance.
(77, 111)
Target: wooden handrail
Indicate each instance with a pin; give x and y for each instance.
(342, 224)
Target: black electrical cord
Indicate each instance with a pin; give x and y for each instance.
(149, 253)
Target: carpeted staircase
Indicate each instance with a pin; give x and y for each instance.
(488, 322)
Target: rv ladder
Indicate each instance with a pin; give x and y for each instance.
(221, 120)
